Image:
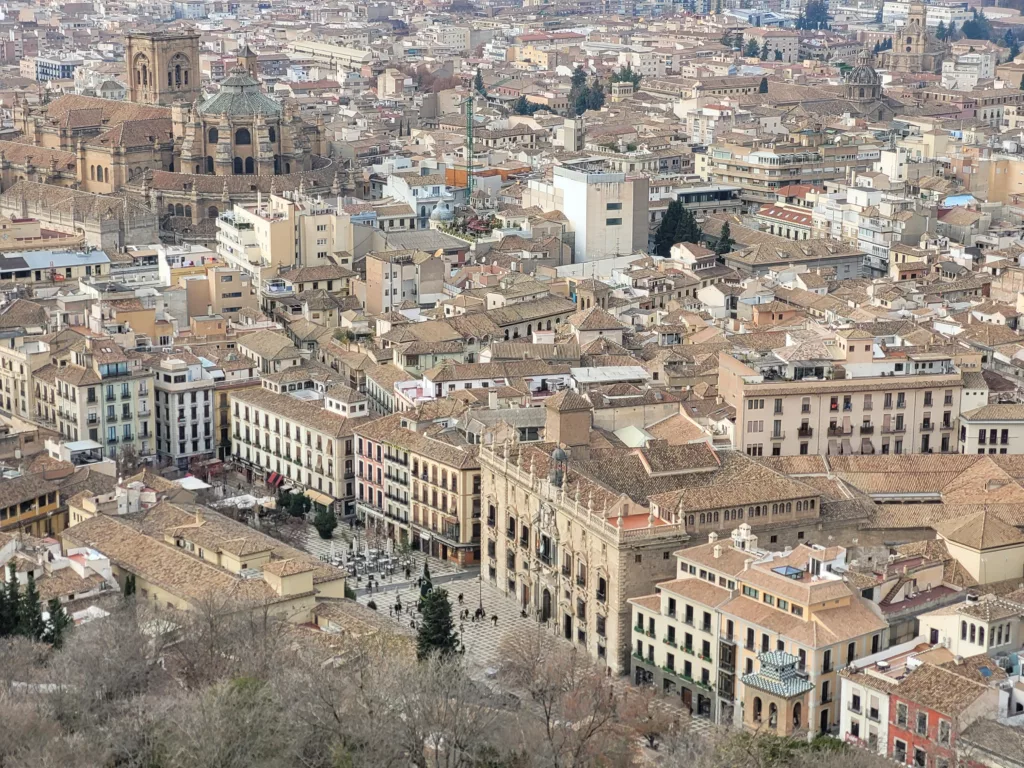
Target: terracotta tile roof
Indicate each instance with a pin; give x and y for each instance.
(698, 590)
(982, 530)
(940, 689)
(311, 415)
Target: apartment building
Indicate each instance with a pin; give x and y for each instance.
(676, 642)
(760, 166)
(996, 428)
(29, 504)
(97, 391)
(396, 277)
(184, 410)
(21, 322)
(417, 489)
(298, 439)
(223, 291)
(828, 394)
(182, 557)
(784, 622)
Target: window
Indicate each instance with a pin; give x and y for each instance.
(901, 715)
(614, 206)
(613, 222)
(944, 732)
(922, 723)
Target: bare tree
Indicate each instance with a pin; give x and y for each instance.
(574, 720)
(649, 714)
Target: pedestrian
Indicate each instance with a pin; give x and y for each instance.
(494, 618)
(391, 610)
(460, 598)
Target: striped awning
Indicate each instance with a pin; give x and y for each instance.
(274, 479)
(319, 498)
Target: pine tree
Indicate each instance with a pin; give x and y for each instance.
(778, 55)
(687, 231)
(478, 83)
(765, 50)
(952, 35)
(725, 242)
(763, 85)
(436, 633)
(940, 31)
(30, 611)
(58, 623)
(595, 95)
(325, 522)
(752, 49)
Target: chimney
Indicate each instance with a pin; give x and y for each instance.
(717, 551)
(712, 537)
(492, 399)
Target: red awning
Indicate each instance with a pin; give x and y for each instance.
(274, 479)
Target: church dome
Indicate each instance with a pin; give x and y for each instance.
(864, 73)
(442, 212)
(240, 95)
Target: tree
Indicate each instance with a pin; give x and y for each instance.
(977, 27)
(940, 31)
(952, 35)
(58, 623)
(627, 75)
(725, 242)
(595, 96)
(687, 230)
(436, 633)
(295, 504)
(718, 7)
(129, 585)
(778, 55)
(752, 49)
(579, 79)
(128, 460)
(763, 85)
(478, 83)
(344, 335)
(664, 238)
(30, 611)
(523, 107)
(645, 711)
(1011, 42)
(765, 51)
(325, 522)
(9, 599)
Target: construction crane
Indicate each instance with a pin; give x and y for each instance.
(469, 146)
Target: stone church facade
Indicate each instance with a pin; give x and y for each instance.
(914, 48)
(188, 158)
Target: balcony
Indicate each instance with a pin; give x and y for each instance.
(778, 436)
(491, 522)
(927, 426)
(111, 440)
(110, 417)
(867, 429)
(805, 432)
(92, 420)
(894, 429)
(581, 581)
(145, 413)
(839, 431)
(108, 398)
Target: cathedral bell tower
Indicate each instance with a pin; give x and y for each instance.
(163, 67)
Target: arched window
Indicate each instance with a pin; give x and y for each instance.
(177, 74)
(188, 211)
(170, 211)
(775, 508)
(288, 169)
(213, 213)
(238, 166)
(910, 40)
(757, 709)
(716, 517)
(277, 164)
(789, 506)
(702, 518)
(242, 136)
(796, 716)
(179, 210)
(529, 329)
(773, 715)
(689, 521)
(981, 636)
(250, 165)
(92, 173)
(549, 325)
(106, 175)
(209, 164)
(214, 135)
(973, 633)
(197, 170)
(862, 93)
(272, 133)
(963, 630)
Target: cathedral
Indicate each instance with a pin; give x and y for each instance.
(914, 48)
(186, 157)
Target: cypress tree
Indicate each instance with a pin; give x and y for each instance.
(12, 602)
(8, 612)
(436, 633)
(664, 238)
(58, 623)
(725, 242)
(30, 612)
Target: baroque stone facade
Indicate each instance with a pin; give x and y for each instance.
(914, 48)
